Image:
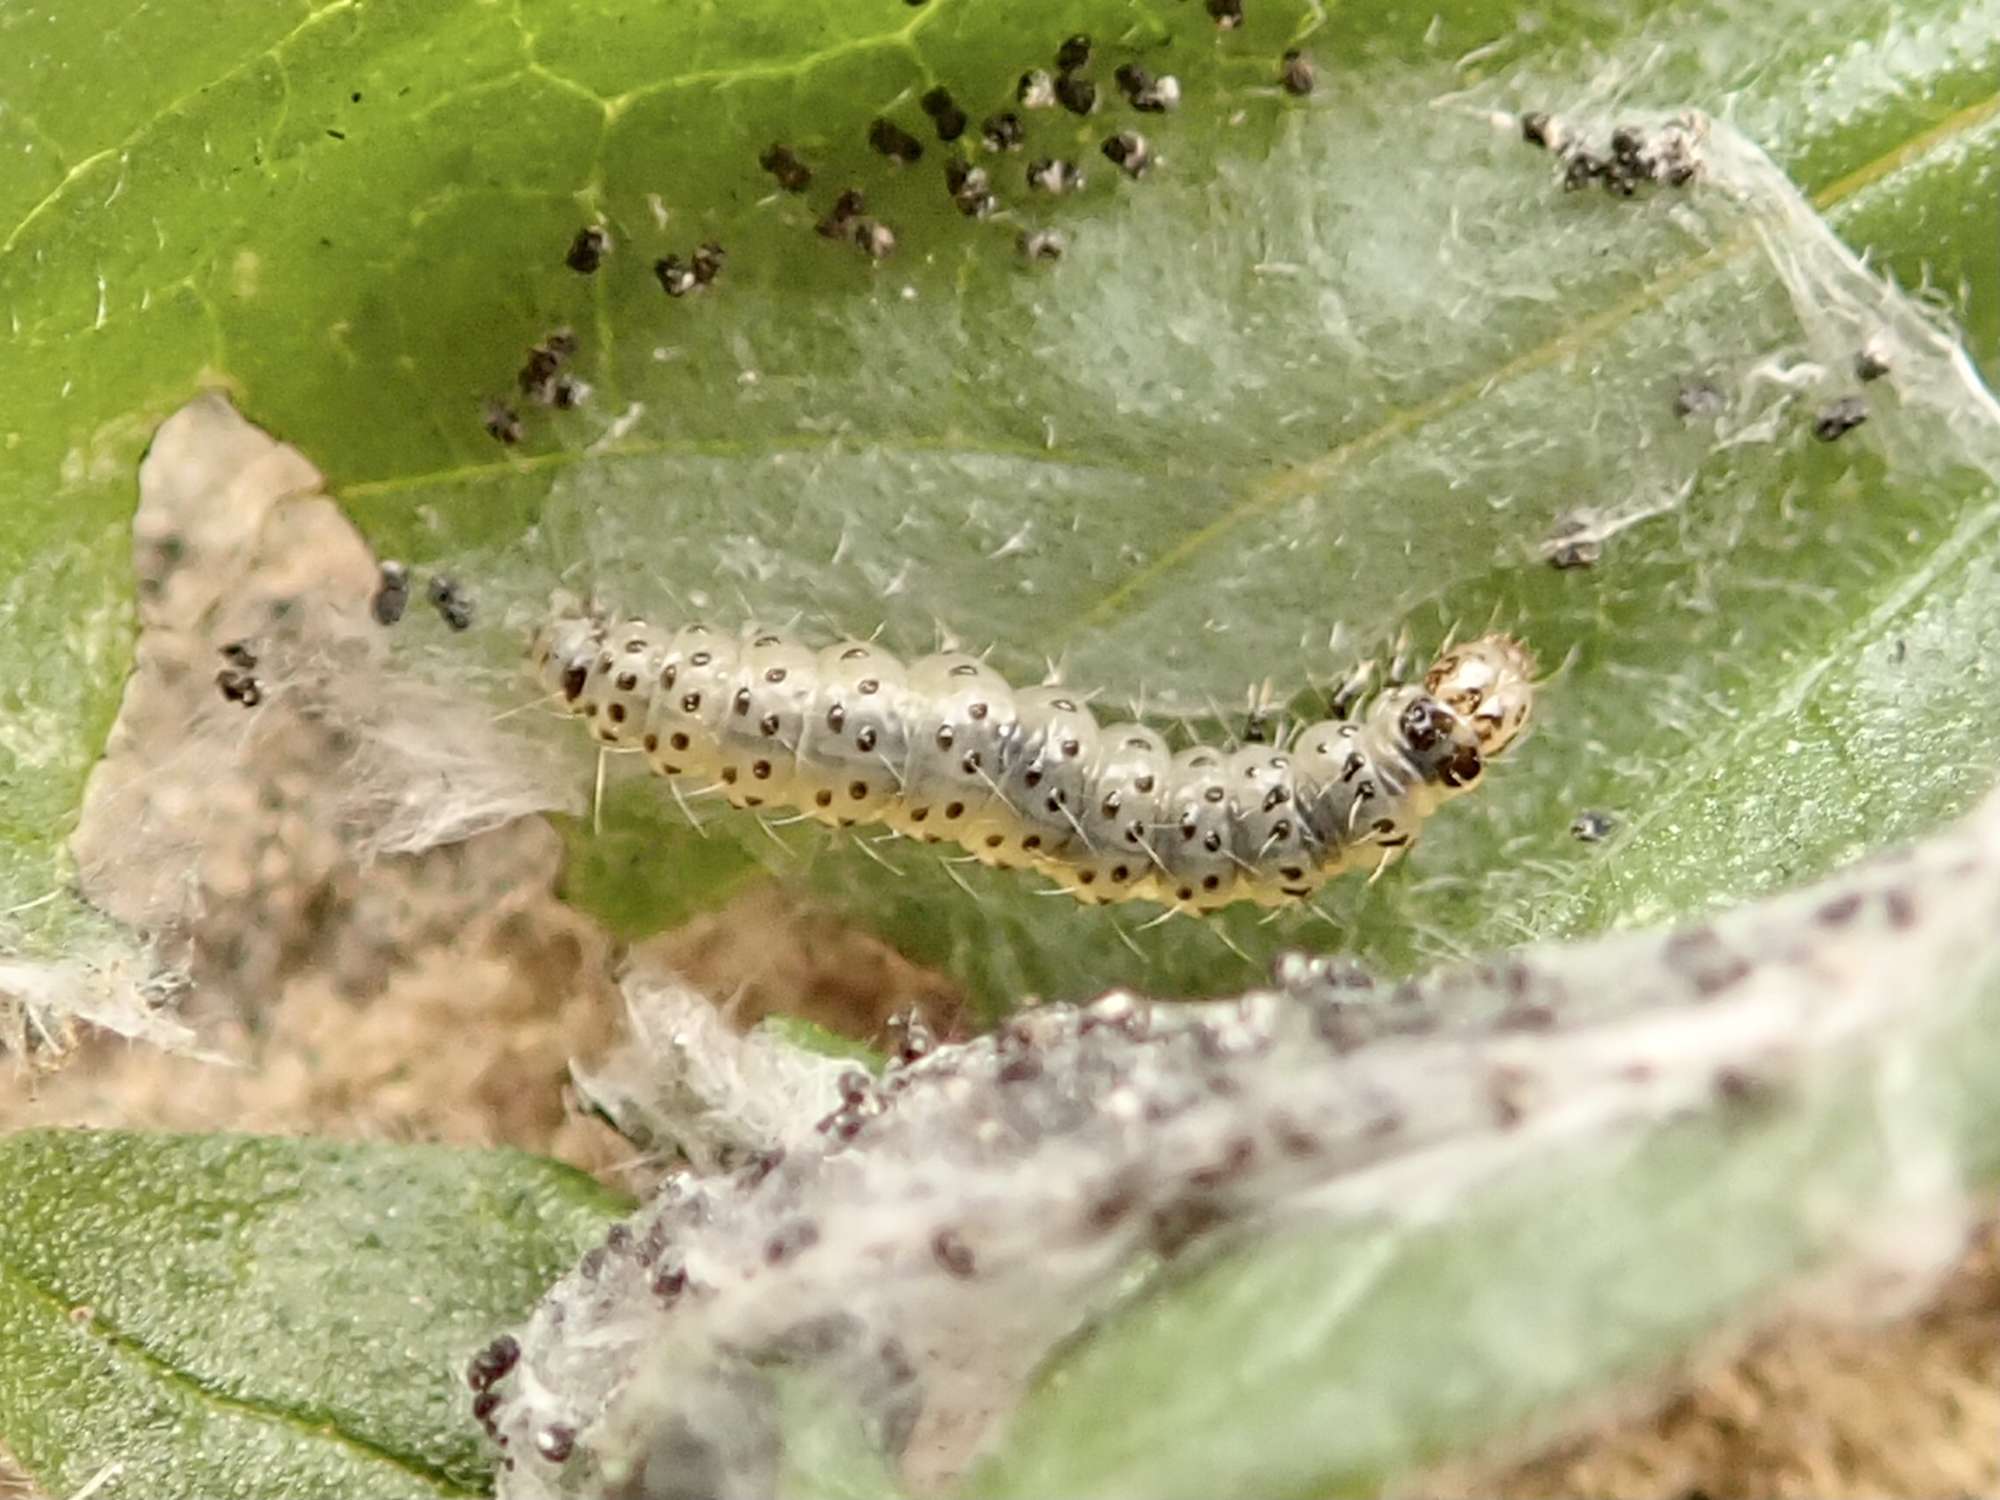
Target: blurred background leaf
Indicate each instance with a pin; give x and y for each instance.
(231, 1315)
(1349, 1357)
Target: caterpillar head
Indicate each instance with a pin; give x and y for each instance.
(1489, 683)
(562, 650)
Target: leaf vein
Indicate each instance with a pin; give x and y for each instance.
(131, 1351)
(152, 122)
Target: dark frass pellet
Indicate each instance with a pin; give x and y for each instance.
(503, 423)
(706, 263)
(1592, 827)
(891, 140)
(953, 1256)
(1574, 545)
(566, 392)
(1051, 175)
(493, 1362)
(1002, 132)
(587, 250)
(1698, 398)
(392, 593)
(1839, 419)
(1164, 95)
(874, 239)
(839, 221)
(1298, 76)
(675, 275)
(948, 119)
(1583, 169)
(1538, 128)
(1074, 53)
(1077, 95)
(544, 361)
(451, 602)
(970, 188)
(1130, 151)
(1871, 362)
(1144, 92)
(1042, 245)
(239, 687)
(1672, 161)
(783, 163)
(556, 1443)
(1227, 14)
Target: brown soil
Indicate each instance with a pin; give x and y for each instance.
(1808, 1412)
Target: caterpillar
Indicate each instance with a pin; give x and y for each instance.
(943, 749)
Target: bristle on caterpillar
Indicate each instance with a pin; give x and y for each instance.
(942, 749)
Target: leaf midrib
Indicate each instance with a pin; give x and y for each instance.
(130, 1351)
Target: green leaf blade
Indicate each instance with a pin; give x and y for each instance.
(234, 1315)
(1176, 464)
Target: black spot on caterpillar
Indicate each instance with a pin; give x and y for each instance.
(943, 749)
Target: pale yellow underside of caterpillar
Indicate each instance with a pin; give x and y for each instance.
(943, 749)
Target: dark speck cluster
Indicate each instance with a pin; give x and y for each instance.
(1065, 80)
(849, 220)
(237, 681)
(679, 277)
(545, 380)
(1839, 418)
(1634, 157)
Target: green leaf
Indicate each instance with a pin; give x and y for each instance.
(229, 1316)
(807, 1036)
(1274, 388)
(1307, 1243)
(1332, 1364)
(1342, 1358)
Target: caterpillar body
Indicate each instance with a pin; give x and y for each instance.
(943, 749)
